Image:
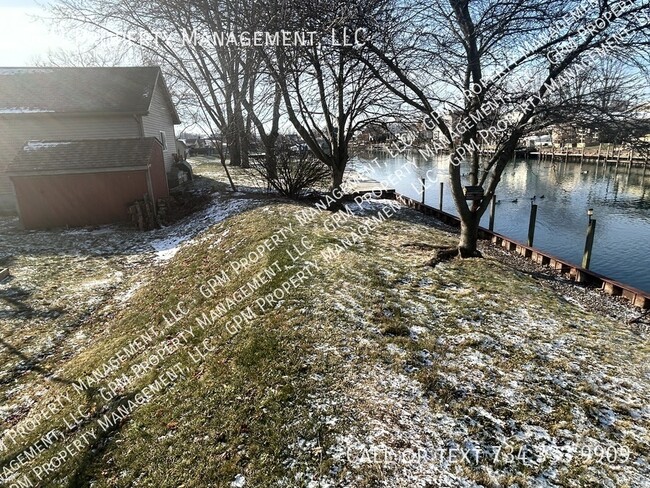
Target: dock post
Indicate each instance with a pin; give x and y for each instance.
(600, 145)
(442, 188)
(423, 188)
(582, 154)
(492, 210)
(531, 224)
(589, 244)
(645, 167)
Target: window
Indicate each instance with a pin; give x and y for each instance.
(163, 140)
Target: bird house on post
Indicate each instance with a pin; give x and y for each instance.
(473, 193)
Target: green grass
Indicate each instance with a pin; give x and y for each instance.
(254, 397)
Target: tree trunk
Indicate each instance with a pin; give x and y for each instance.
(232, 139)
(337, 177)
(241, 135)
(225, 167)
(467, 247)
(233, 150)
(271, 159)
(244, 145)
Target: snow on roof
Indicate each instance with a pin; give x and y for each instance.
(36, 145)
(19, 71)
(23, 110)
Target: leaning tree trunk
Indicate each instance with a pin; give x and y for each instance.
(222, 157)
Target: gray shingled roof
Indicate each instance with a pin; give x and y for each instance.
(79, 90)
(48, 157)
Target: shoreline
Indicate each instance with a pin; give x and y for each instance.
(584, 295)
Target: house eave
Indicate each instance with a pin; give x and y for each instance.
(108, 169)
(70, 114)
(168, 98)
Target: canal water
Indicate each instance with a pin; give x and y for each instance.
(619, 196)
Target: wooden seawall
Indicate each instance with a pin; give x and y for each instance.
(637, 297)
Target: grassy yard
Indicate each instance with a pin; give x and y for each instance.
(367, 368)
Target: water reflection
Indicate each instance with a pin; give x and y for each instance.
(563, 192)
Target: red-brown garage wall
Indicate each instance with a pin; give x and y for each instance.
(78, 199)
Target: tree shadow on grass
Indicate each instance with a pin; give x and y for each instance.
(17, 298)
(29, 364)
(82, 474)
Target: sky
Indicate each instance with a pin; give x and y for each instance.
(24, 39)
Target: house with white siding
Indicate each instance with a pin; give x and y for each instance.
(79, 104)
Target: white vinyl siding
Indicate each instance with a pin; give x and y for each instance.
(160, 120)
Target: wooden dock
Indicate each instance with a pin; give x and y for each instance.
(608, 155)
(362, 185)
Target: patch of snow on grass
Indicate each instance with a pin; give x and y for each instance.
(239, 482)
(182, 233)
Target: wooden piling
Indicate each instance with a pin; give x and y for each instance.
(645, 167)
(531, 224)
(423, 188)
(631, 155)
(589, 244)
(600, 145)
(442, 189)
(492, 212)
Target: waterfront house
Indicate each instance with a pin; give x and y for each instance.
(59, 107)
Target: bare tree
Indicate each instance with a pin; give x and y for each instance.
(95, 55)
(180, 36)
(329, 94)
(493, 62)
